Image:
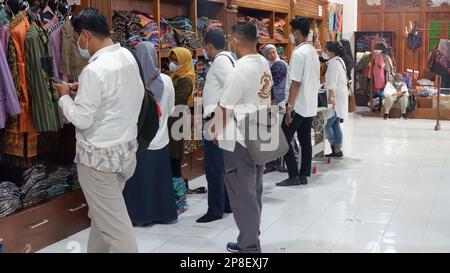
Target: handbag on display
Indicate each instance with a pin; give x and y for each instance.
(351, 99)
(415, 39)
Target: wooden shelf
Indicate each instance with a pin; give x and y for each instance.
(164, 53)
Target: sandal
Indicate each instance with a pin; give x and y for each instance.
(201, 190)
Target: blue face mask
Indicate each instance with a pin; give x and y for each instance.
(83, 52)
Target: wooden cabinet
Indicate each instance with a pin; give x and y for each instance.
(72, 211)
(45, 224)
(274, 5)
(396, 15)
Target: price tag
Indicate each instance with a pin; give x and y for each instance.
(320, 11)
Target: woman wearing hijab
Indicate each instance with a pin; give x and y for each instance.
(149, 195)
(279, 69)
(183, 77)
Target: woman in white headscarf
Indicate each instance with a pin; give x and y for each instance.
(279, 69)
(149, 194)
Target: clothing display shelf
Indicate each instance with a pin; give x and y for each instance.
(317, 12)
(163, 11)
(271, 19)
(364, 42)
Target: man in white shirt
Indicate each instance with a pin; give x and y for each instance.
(302, 104)
(105, 113)
(221, 67)
(247, 89)
(396, 91)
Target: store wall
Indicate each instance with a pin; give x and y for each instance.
(350, 17)
(395, 16)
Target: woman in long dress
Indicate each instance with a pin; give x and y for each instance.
(149, 194)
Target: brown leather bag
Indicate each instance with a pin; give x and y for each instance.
(351, 100)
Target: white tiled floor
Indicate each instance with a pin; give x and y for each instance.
(391, 194)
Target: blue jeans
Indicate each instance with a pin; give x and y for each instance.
(333, 132)
(218, 201)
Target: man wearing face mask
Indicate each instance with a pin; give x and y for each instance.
(105, 113)
(222, 66)
(246, 90)
(302, 104)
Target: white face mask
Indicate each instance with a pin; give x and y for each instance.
(311, 36)
(83, 52)
(205, 54)
(325, 56)
(292, 38)
(173, 67)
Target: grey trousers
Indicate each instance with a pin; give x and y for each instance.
(111, 227)
(243, 179)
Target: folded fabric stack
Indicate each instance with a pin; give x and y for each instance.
(9, 198)
(72, 178)
(184, 32)
(120, 25)
(204, 24)
(427, 92)
(58, 182)
(179, 186)
(167, 35)
(150, 30)
(34, 191)
(279, 30)
(262, 25)
(424, 82)
(201, 70)
(132, 27)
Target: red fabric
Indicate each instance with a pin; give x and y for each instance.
(380, 81)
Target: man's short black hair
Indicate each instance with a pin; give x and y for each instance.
(92, 20)
(301, 24)
(246, 31)
(216, 37)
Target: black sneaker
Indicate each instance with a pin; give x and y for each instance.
(338, 155)
(208, 218)
(386, 116)
(234, 248)
(404, 117)
(303, 180)
(289, 182)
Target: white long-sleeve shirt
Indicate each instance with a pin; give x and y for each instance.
(106, 109)
(218, 73)
(336, 79)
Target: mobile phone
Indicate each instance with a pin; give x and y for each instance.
(56, 80)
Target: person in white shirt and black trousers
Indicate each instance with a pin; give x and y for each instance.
(302, 104)
(221, 67)
(336, 84)
(105, 113)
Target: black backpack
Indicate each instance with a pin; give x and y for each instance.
(148, 123)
